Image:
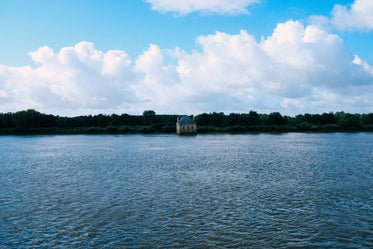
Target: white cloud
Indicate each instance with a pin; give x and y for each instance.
(77, 79)
(357, 16)
(365, 65)
(237, 73)
(296, 69)
(185, 7)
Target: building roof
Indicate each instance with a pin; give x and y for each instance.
(186, 121)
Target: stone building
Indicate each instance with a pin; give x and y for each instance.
(186, 126)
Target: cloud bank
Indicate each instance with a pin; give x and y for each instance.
(184, 7)
(358, 16)
(296, 69)
(76, 79)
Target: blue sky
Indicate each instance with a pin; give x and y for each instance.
(77, 57)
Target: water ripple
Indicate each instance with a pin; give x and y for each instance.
(209, 191)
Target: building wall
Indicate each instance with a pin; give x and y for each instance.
(186, 129)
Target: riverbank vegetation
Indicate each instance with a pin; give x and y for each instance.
(33, 122)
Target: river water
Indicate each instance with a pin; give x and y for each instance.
(208, 191)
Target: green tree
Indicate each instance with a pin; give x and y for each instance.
(350, 122)
(328, 118)
(101, 120)
(27, 119)
(6, 120)
(115, 120)
(149, 117)
(218, 119)
(253, 118)
(234, 119)
(203, 119)
(368, 119)
(275, 118)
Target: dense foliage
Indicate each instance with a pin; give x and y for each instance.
(34, 122)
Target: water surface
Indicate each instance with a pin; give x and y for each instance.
(207, 191)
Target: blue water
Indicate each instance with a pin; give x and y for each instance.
(208, 191)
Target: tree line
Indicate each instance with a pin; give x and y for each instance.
(33, 122)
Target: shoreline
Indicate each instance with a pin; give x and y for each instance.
(151, 130)
(32, 122)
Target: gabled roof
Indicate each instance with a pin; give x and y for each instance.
(186, 121)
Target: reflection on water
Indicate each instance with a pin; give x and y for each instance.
(218, 191)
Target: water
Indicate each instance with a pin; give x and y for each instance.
(209, 191)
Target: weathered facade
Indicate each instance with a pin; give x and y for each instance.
(186, 126)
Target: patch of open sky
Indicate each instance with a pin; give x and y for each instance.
(132, 26)
(356, 42)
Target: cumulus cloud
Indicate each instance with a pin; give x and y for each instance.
(294, 70)
(296, 64)
(357, 16)
(77, 79)
(185, 7)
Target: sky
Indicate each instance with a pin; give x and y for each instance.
(80, 57)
